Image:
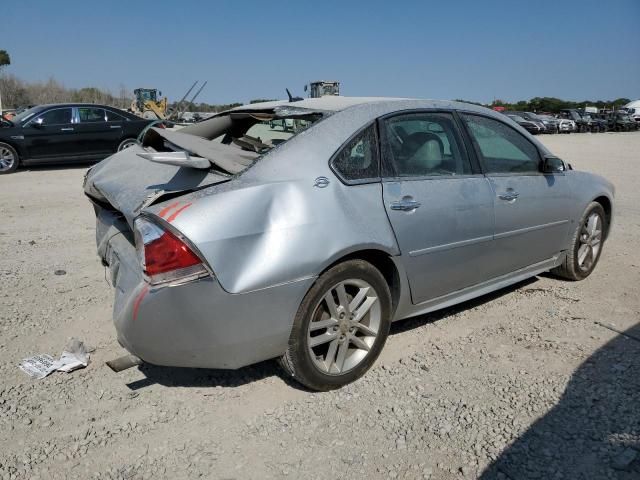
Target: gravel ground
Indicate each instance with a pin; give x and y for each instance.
(519, 384)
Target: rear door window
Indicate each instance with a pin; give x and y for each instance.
(91, 115)
(114, 117)
(423, 144)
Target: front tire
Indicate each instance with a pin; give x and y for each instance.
(340, 328)
(9, 159)
(586, 245)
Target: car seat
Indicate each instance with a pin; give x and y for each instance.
(423, 154)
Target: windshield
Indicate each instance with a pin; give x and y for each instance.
(517, 118)
(26, 115)
(330, 90)
(533, 116)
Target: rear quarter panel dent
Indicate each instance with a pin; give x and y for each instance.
(268, 234)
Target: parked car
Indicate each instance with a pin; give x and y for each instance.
(596, 124)
(66, 133)
(624, 122)
(619, 121)
(550, 123)
(221, 257)
(582, 124)
(634, 113)
(532, 127)
(530, 117)
(566, 125)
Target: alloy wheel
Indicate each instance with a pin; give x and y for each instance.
(7, 159)
(344, 326)
(590, 241)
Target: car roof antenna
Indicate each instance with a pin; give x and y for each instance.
(291, 97)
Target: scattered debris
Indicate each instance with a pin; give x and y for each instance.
(73, 357)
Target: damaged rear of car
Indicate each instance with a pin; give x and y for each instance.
(140, 197)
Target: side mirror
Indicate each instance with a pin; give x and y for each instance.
(552, 164)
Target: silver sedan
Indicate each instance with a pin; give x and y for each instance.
(230, 242)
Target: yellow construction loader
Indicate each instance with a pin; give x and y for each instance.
(148, 104)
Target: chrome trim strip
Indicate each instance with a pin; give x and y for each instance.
(488, 238)
(448, 246)
(529, 229)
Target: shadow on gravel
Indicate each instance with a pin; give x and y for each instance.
(209, 378)
(594, 430)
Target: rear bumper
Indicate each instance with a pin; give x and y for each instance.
(198, 324)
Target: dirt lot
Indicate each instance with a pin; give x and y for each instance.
(520, 384)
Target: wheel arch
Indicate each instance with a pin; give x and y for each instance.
(383, 262)
(607, 206)
(17, 148)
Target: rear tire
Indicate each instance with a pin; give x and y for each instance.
(586, 245)
(9, 159)
(340, 328)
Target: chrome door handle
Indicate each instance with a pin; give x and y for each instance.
(405, 205)
(115, 126)
(508, 196)
(68, 129)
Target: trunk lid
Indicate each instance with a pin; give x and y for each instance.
(128, 183)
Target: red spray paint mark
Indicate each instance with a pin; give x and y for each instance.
(166, 209)
(136, 305)
(173, 216)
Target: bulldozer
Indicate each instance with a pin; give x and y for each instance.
(147, 104)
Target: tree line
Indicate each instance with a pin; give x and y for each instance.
(18, 93)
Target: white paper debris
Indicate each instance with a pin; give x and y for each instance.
(38, 366)
(73, 357)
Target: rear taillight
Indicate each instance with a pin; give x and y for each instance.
(164, 256)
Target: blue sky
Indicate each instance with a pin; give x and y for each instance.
(476, 50)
